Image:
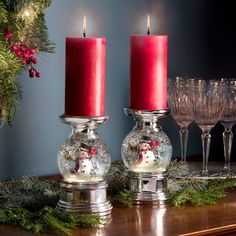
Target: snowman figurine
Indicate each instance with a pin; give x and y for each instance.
(85, 162)
(146, 154)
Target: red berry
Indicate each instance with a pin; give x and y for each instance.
(22, 48)
(92, 151)
(23, 62)
(28, 61)
(154, 143)
(31, 70)
(35, 61)
(8, 35)
(18, 53)
(38, 74)
(31, 75)
(25, 55)
(14, 48)
(6, 30)
(32, 51)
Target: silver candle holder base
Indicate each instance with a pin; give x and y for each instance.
(85, 197)
(83, 161)
(148, 188)
(146, 152)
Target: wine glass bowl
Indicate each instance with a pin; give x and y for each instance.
(207, 102)
(180, 106)
(228, 119)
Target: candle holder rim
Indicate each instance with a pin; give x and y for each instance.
(83, 119)
(82, 184)
(145, 174)
(142, 113)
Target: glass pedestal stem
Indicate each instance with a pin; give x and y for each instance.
(206, 140)
(227, 140)
(183, 133)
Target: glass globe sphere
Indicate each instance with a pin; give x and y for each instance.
(84, 157)
(146, 150)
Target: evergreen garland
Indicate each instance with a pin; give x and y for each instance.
(123, 198)
(213, 192)
(31, 202)
(10, 89)
(184, 188)
(48, 219)
(30, 193)
(22, 26)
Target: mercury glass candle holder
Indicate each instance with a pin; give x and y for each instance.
(146, 152)
(83, 162)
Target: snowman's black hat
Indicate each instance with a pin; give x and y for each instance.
(85, 147)
(146, 138)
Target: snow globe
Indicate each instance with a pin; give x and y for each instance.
(146, 152)
(83, 161)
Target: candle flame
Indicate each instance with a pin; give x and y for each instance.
(84, 26)
(148, 24)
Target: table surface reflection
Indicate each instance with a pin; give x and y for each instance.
(147, 220)
(166, 221)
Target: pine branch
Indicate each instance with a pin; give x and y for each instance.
(10, 92)
(179, 184)
(10, 89)
(3, 13)
(177, 169)
(49, 220)
(27, 30)
(214, 191)
(116, 179)
(30, 30)
(31, 193)
(124, 198)
(10, 64)
(17, 5)
(37, 36)
(35, 184)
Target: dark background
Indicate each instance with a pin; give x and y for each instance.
(202, 43)
(221, 54)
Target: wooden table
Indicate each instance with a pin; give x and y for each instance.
(148, 221)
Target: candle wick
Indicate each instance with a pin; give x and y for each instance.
(148, 32)
(84, 34)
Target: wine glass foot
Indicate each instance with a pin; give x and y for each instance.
(227, 173)
(205, 173)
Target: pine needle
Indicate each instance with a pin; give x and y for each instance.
(178, 168)
(214, 191)
(49, 220)
(30, 193)
(116, 179)
(124, 198)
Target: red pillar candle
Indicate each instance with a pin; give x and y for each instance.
(148, 71)
(85, 76)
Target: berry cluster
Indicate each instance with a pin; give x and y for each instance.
(25, 53)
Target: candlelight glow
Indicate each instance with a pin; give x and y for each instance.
(84, 26)
(27, 13)
(148, 24)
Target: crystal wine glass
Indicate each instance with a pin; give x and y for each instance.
(228, 119)
(207, 102)
(180, 106)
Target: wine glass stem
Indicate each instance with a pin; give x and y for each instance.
(206, 140)
(183, 133)
(227, 140)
